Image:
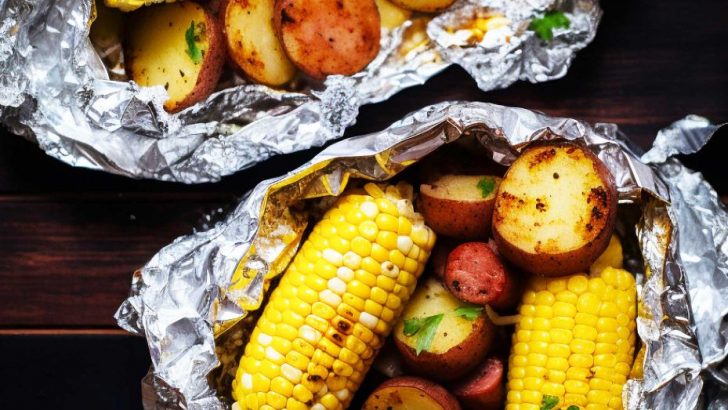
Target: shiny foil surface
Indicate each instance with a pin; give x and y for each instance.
(187, 304)
(55, 89)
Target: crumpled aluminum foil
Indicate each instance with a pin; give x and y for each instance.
(674, 230)
(55, 90)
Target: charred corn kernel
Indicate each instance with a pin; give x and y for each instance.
(575, 341)
(335, 305)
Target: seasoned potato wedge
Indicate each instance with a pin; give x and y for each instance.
(253, 44)
(459, 342)
(391, 15)
(459, 206)
(406, 393)
(555, 210)
(178, 46)
(425, 6)
(326, 37)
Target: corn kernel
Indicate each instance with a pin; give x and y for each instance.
(359, 289)
(578, 284)
(545, 298)
(576, 386)
(581, 360)
(404, 227)
(553, 389)
(567, 296)
(387, 223)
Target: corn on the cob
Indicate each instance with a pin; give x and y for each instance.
(335, 304)
(574, 344)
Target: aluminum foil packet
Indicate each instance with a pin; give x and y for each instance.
(60, 91)
(190, 297)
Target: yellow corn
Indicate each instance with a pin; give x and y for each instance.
(575, 341)
(336, 304)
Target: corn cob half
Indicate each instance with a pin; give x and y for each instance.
(336, 303)
(574, 345)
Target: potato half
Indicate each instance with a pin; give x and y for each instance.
(407, 393)
(459, 206)
(555, 210)
(253, 44)
(425, 6)
(458, 345)
(324, 37)
(391, 15)
(178, 46)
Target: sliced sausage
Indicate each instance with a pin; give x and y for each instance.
(474, 273)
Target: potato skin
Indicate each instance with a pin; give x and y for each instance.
(457, 361)
(324, 37)
(474, 273)
(483, 389)
(210, 69)
(568, 262)
(462, 217)
(212, 64)
(380, 399)
(457, 219)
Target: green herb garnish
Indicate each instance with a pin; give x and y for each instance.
(549, 402)
(424, 328)
(544, 26)
(486, 186)
(572, 407)
(192, 37)
(469, 312)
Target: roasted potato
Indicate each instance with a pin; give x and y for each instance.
(475, 274)
(458, 342)
(483, 389)
(610, 258)
(253, 43)
(406, 393)
(425, 6)
(459, 206)
(391, 15)
(326, 37)
(178, 46)
(555, 209)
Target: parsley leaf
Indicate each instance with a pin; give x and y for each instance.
(544, 26)
(549, 402)
(486, 186)
(424, 328)
(572, 407)
(191, 37)
(469, 312)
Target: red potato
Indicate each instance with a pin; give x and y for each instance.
(407, 393)
(483, 389)
(458, 343)
(555, 210)
(474, 273)
(459, 206)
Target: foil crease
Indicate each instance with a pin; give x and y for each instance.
(56, 91)
(675, 230)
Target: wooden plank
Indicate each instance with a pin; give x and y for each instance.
(69, 262)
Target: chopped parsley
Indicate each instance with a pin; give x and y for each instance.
(572, 407)
(549, 402)
(486, 186)
(469, 312)
(424, 328)
(544, 26)
(192, 36)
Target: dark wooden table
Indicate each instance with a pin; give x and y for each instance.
(70, 238)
